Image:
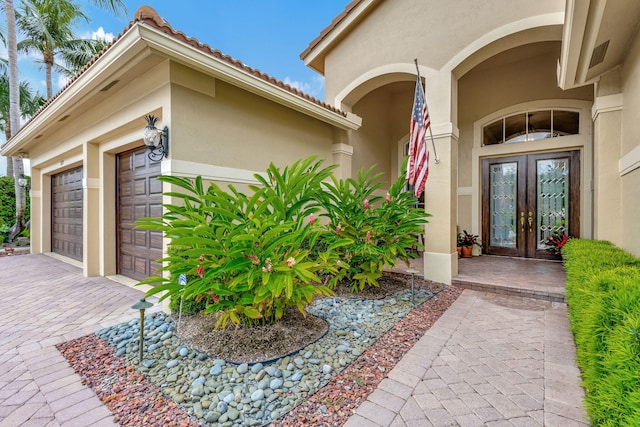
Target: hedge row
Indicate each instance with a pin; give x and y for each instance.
(603, 295)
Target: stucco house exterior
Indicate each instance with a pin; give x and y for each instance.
(533, 109)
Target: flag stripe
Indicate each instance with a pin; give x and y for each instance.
(418, 164)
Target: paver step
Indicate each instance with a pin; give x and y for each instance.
(509, 290)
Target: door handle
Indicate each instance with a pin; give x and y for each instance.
(530, 221)
(522, 220)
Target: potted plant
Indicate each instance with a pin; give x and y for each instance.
(555, 242)
(459, 241)
(466, 241)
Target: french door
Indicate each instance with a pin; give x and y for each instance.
(528, 198)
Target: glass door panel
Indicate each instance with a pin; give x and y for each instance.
(503, 199)
(503, 202)
(552, 199)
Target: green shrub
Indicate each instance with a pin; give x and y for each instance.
(603, 295)
(380, 230)
(244, 252)
(8, 202)
(4, 232)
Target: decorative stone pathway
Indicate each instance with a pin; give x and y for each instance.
(490, 360)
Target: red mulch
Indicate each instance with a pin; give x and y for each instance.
(133, 399)
(136, 401)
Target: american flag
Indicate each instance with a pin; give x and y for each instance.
(418, 164)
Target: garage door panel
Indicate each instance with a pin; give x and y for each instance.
(140, 187)
(126, 213)
(156, 240)
(138, 249)
(126, 237)
(155, 186)
(140, 160)
(126, 262)
(155, 211)
(66, 213)
(140, 238)
(140, 211)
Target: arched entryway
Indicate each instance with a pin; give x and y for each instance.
(525, 152)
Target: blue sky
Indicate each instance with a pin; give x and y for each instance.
(264, 34)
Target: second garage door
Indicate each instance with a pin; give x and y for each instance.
(139, 196)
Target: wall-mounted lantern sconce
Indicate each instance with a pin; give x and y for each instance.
(156, 140)
(23, 181)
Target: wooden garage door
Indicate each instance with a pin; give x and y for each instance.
(139, 196)
(66, 213)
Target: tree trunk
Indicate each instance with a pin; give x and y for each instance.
(7, 135)
(9, 166)
(21, 200)
(14, 115)
(48, 67)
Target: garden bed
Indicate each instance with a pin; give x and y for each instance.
(339, 389)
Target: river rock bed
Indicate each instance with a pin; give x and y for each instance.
(222, 393)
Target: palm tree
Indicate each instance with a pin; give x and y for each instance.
(48, 28)
(30, 102)
(14, 116)
(116, 6)
(78, 54)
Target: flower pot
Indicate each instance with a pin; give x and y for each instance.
(466, 251)
(459, 249)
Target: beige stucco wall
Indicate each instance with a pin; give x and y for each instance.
(630, 149)
(433, 31)
(216, 123)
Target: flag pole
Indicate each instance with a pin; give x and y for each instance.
(435, 153)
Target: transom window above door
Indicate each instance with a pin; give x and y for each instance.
(531, 126)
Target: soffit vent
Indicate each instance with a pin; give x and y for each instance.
(597, 56)
(109, 86)
(63, 118)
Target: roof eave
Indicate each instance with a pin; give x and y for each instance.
(573, 40)
(313, 55)
(128, 50)
(218, 68)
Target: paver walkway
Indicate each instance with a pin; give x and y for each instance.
(43, 302)
(490, 360)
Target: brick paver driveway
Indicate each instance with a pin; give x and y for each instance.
(43, 302)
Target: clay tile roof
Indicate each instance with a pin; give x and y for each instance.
(147, 15)
(334, 23)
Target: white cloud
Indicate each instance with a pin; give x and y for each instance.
(98, 34)
(314, 88)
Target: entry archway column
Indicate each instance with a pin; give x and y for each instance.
(441, 201)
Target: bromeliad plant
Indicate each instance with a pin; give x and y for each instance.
(245, 251)
(382, 230)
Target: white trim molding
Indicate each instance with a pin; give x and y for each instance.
(606, 104)
(465, 191)
(90, 182)
(208, 172)
(341, 148)
(630, 162)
